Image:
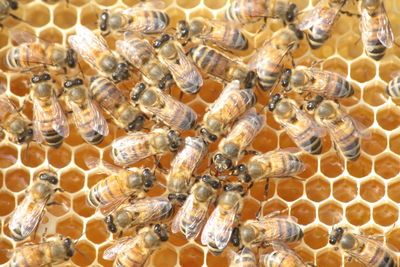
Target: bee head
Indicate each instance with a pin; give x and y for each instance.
(336, 235)
(222, 163)
(179, 198)
(161, 231)
(235, 239)
(243, 174)
(299, 34)
(71, 58)
(183, 29)
(175, 140)
(161, 41)
(137, 91)
(45, 176)
(69, 247)
(274, 101)
(103, 20)
(109, 221)
(249, 81)
(207, 135)
(215, 183)
(313, 104)
(148, 178)
(121, 73)
(291, 13)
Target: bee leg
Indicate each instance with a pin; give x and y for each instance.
(266, 188)
(251, 152)
(59, 189)
(263, 26)
(259, 212)
(53, 203)
(159, 165)
(310, 264)
(350, 14)
(16, 17)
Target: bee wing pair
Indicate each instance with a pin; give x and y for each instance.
(315, 16)
(6, 106)
(120, 245)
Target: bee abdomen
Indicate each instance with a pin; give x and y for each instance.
(316, 40)
(52, 138)
(375, 49)
(393, 88)
(352, 151)
(93, 137)
(387, 261)
(267, 78)
(312, 145)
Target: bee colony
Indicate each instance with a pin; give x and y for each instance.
(333, 185)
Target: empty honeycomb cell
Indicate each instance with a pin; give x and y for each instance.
(358, 214)
(330, 213)
(165, 256)
(60, 157)
(8, 155)
(331, 165)
(81, 206)
(175, 15)
(353, 50)
(72, 180)
(394, 143)
(266, 141)
(213, 90)
(387, 165)
(252, 207)
(362, 70)
(88, 16)
(17, 179)
(372, 190)
(385, 214)
(191, 256)
(7, 203)
(65, 16)
(85, 254)
(106, 2)
(317, 237)
(33, 156)
(51, 35)
(304, 211)
(310, 165)
(212, 260)
(61, 205)
(19, 85)
(393, 240)
(376, 144)
(374, 94)
(388, 117)
(364, 117)
(273, 205)
(344, 190)
(188, 4)
(361, 167)
(216, 4)
(389, 70)
(327, 50)
(336, 65)
(290, 189)
(96, 231)
(394, 191)
(37, 16)
(6, 247)
(328, 258)
(317, 189)
(71, 226)
(83, 153)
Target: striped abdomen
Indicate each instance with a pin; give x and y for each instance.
(345, 134)
(132, 257)
(393, 87)
(246, 11)
(321, 31)
(132, 148)
(24, 56)
(85, 129)
(373, 47)
(106, 93)
(148, 21)
(228, 37)
(244, 258)
(50, 136)
(330, 85)
(191, 224)
(281, 230)
(136, 51)
(281, 258)
(302, 133)
(36, 255)
(269, 71)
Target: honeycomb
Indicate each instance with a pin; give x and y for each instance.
(362, 194)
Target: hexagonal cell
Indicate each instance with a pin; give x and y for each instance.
(290, 189)
(51, 35)
(65, 17)
(88, 16)
(311, 165)
(385, 214)
(361, 167)
(363, 115)
(374, 94)
(306, 254)
(96, 231)
(318, 189)
(8, 156)
(38, 15)
(327, 50)
(336, 65)
(7, 203)
(18, 85)
(17, 179)
(60, 157)
(191, 256)
(62, 207)
(83, 153)
(362, 70)
(106, 3)
(274, 205)
(178, 239)
(258, 190)
(81, 206)
(387, 165)
(328, 258)
(71, 226)
(316, 237)
(388, 69)
(353, 50)
(394, 191)
(330, 213)
(6, 246)
(266, 141)
(86, 256)
(394, 143)
(252, 207)
(388, 117)
(285, 141)
(304, 211)
(214, 89)
(332, 165)
(393, 240)
(165, 256)
(187, 4)
(376, 144)
(372, 190)
(72, 180)
(219, 261)
(33, 156)
(345, 190)
(358, 214)
(175, 15)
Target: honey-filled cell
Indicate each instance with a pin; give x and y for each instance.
(33, 156)
(4, 252)
(387, 165)
(191, 256)
(8, 155)
(71, 226)
(82, 207)
(358, 214)
(7, 203)
(372, 190)
(385, 214)
(304, 211)
(86, 254)
(330, 213)
(316, 237)
(376, 144)
(165, 256)
(96, 231)
(328, 258)
(290, 189)
(17, 180)
(317, 189)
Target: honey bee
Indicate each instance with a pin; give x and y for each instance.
(17, 125)
(270, 60)
(135, 251)
(273, 164)
(222, 33)
(87, 117)
(376, 30)
(393, 87)
(165, 108)
(232, 147)
(141, 55)
(221, 67)
(321, 82)
(137, 146)
(191, 216)
(95, 51)
(55, 250)
(218, 229)
(319, 21)
(364, 249)
(29, 213)
(170, 52)
(244, 258)
(300, 127)
(140, 212)
(283, 256)
(143, 17)
(50, 122)
(114, 102)
(184, 164)
(230, 104)
(5, 7)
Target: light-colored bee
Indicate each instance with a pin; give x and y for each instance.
(5, 7)
(170, 111)
(17, 125)
(143, 17)
(29, 213)
(271, 58)
(230, 105)
(170, 52)
(137, 146)
(283, 256)
(393, 87)
(244, 258)
(135, 251)
(87, 117)
(141, 55)
(218, 229)
(95, 51)
(233, 146)
(376, 31)
(364, 249)
(321, 82)
(222, 67)
(114, 102)
(300, 127)
(191, 216)
(140, 212)
(319, 21)
(50, 122)
(55, 250)
(222, 33)
(186, 161)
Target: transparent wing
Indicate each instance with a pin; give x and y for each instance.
(149, 207)
(131, 141)
(385, 33)
(243, 258)
(191, 154)
(37, 115)
(21, 36)
(120, 245)
(186, 207)
(60, 122)
(226, 93)
(147, 5)
(102, 166)
(132, 54)
(6, 106)
(254, 62)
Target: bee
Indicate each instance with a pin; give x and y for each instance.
(114, 102)
(283, 256)
(135, 251)
(364, 249)
(50, 122)
(170, 52)
(232, 147)
(218, 229)
(142, 56)
(165, 108)
(376, 30)
(139, 212)
(230, 104)
(222, 67)
(5, 7)
(137, 146)
(55, 250)
(191, 216)
(319, 21)
(393, 87)
(143, 18)
(321, 82)
(17, 125)
(344, 130)
(273, 164)
(300, 127)
(222, 33)
(29, 213)
(244, 258)
(270, 60)
(95, 51)
(184, 164)
(87, 117)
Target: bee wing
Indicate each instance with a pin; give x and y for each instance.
(311, 18)
(254, 62)
(243, 258)
(361, 130)
(6, 106)
(60, 122)
(152, 205)
(21, 36)
(110, 207)
(385, 33)
(120, 245)
(222, 98)
(131, 141)
(102, 166)
(148, 5)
